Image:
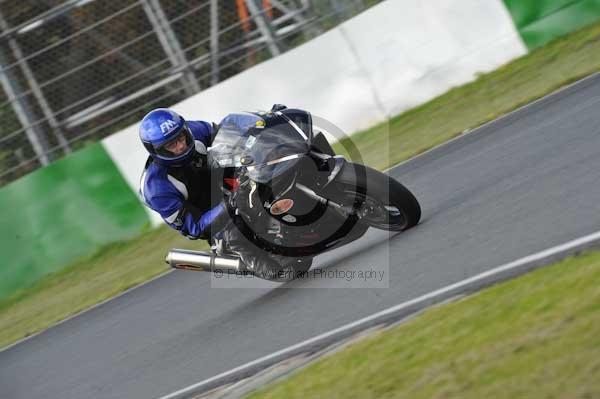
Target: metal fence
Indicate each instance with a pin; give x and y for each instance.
(73, 72)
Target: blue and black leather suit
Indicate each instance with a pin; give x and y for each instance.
(185, 196)
(190, 200)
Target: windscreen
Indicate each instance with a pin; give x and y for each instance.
(268, 145)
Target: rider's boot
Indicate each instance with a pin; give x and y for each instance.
(254, 259)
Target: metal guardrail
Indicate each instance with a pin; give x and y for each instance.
(76, 71)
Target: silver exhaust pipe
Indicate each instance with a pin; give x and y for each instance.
(202, 261)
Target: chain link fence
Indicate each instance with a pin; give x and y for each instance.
(73, 72)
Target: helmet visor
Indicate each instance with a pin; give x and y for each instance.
(179, 145)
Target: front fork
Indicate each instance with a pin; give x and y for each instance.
(344, 211)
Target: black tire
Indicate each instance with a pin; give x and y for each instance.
(367, 189)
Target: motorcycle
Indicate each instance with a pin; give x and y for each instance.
(291, 195)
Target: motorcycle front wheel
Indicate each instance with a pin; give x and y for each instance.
(379, 200)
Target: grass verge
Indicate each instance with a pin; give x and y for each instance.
(537, 336)
(123, 265)
(110, 271)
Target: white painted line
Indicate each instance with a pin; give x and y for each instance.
(442, 293)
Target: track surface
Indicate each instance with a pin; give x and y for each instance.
(519, 185)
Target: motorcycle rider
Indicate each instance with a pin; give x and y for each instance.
(177, 183)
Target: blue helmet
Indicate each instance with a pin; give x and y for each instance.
(160, 131)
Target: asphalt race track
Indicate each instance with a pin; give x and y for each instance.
(516, 186)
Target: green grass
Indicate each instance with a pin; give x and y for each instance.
(124, 265)
(109, 271)
(537, 336)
